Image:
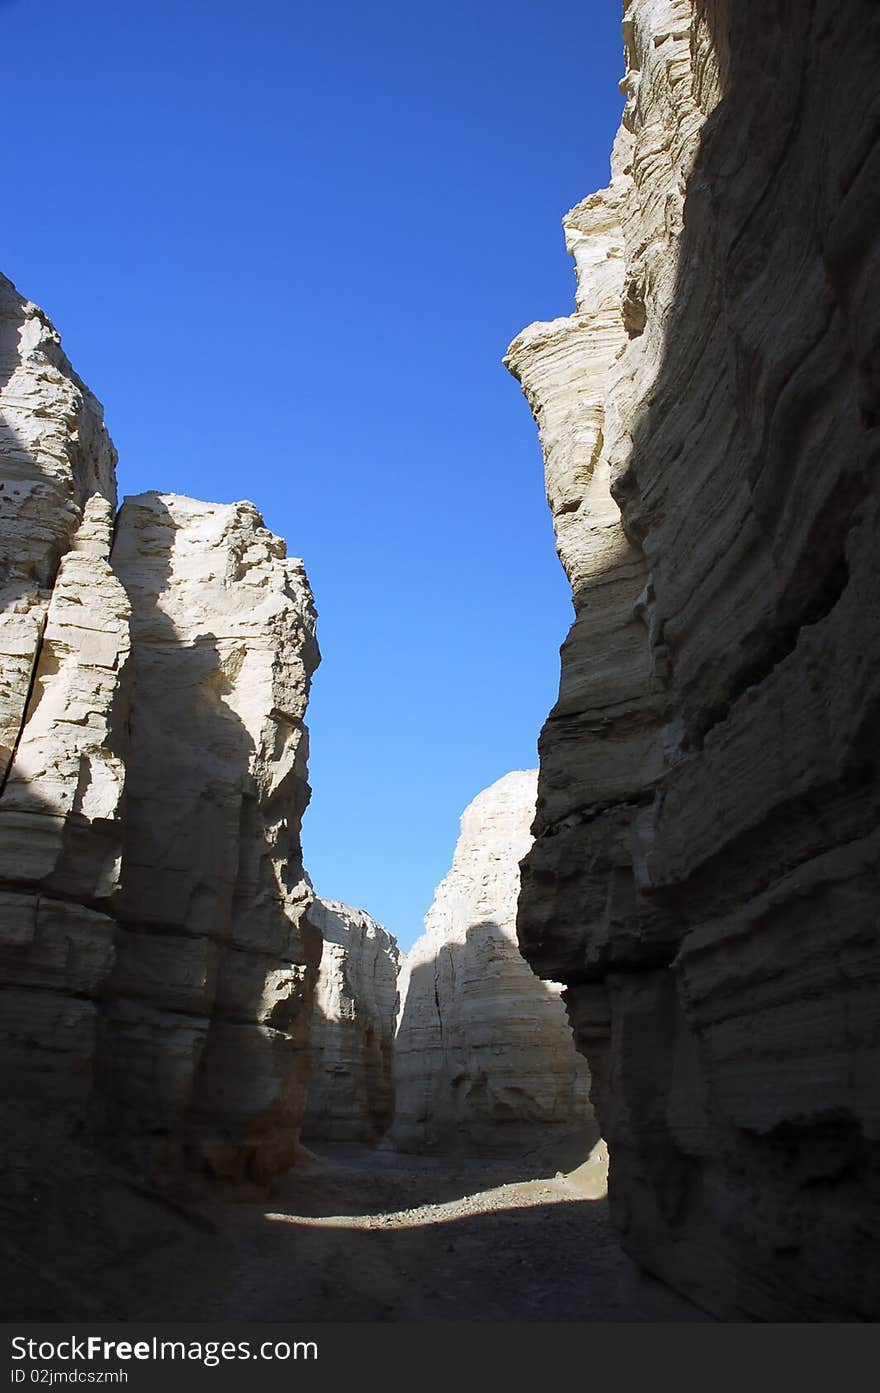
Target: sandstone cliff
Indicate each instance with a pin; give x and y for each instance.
(704, 876)
(63, 703)
(483, 1053)
(157, 970)
(352, 1043)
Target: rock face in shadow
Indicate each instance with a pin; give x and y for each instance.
(704, 875)
(211, 997)
(351, 1092)
(156, 965)
(483, 1053)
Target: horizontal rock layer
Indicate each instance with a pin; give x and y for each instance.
(483, 1053)
(352, 1043)
(156, 967)
(704, 876)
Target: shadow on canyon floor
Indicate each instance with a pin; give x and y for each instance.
(392, 1177)
(538, 1250)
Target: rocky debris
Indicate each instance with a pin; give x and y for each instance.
(483, 1052)
(350, 1096)
(156, 965)
(704, 875)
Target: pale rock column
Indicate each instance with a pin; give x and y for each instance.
(55, 453)
(351, 1093)
(483, 1053)
(64, 651)
(212, 997)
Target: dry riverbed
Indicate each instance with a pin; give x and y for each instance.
(354, 1235)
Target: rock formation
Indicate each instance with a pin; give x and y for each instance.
(210, 1001)
(156, 965)
(56, 454)
(351, 1097)
(704, 875)
(63, 694)
(483, 1052)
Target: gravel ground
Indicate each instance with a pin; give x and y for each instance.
(389, 1238)
(352, 1235)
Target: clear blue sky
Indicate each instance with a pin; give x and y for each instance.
(287, 245)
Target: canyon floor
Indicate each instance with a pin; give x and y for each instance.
(353, 1235)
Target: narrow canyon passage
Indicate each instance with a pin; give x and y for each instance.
(666, 934)
(353, 1235)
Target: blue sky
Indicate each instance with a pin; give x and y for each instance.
(287, 246)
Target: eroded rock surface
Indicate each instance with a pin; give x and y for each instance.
(55, 453)
(352, 1045)
(157, 971)
(483, 1052)
(704, 876)
(212, 992)
(64, 646)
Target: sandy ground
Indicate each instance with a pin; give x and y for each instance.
(353, 1235)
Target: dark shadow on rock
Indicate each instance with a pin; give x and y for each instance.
(768, 393)
(207, 1044)
(469, 1012)
(352, 1042)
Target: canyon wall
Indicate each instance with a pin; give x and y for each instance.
(156, 965)
(352, 1042)
(483, 1054)
(63, 703)
(209, 1004)
(704, 874)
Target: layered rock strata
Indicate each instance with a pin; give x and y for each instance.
(211, 997)
(64, 689)
(352, 1043)
(55, 455)
(704, 875)
(156, 967)
(483, 1052)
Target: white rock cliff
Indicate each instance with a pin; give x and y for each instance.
(156, 965)
(483, 1051)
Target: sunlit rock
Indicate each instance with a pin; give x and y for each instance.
(483, 1053)
(212, 997)
(157, 966)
